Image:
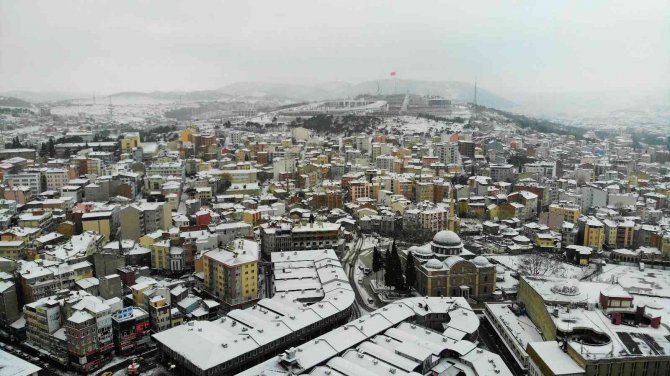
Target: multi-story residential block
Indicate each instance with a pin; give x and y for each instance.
(591, 233)
(43, 319)
(625, 234)
(20, 194)
(423, 191)
(37, 219)
(203, 194)
(102, 222)
(12, 249)
(543, 169)
(129, 142)
(431, 219)
(528, 200)
(38, 281)
(89, 334)
(501, 172)
(132, 180)
(32, 179)
(316, 235)
(159, 313)
(275, 237)
(231, 274)
(56, 178)
(567, 211)
(360, 188)
(592, 197)
(131, 329)
(448, 153)
(9, 303)
(166, 169)
(386, 162)
(143, 218)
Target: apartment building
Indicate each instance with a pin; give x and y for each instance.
(591, 233)
(143, 218)
(89, 334)
(131, 330)
(501, 172)
(32, 179)
(56, 178)
(166, 169)
(43, 319)
(129, 142)
(231, 274)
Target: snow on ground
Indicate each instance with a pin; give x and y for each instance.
(410, 124)
(650, 287)
(27, 130)
(562, 270)
(650, 282)
(360, 276)
(121, 113)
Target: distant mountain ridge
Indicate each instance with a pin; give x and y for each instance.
(15, 102)
(454, 90)
(459, 91)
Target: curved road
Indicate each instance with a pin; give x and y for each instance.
(360, 307)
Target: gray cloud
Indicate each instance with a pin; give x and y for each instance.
(511, 47)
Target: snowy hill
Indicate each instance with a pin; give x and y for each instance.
(459, 91)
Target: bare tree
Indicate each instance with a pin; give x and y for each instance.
(538, 264)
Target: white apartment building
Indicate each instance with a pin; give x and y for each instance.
(447, 152)
(546, 169)
(166, 169)
(385, 162)
(56, 178)
(28, 179)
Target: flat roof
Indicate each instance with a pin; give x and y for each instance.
(555, 358)
(208, 344)
(368, 335)
(11, 365)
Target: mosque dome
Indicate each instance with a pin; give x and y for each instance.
(434, 264)
(481, 261)
(451, 260)
(447, 238)
(421, 251)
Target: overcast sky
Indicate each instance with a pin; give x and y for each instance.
(511, 47)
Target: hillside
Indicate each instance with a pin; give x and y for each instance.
(453, 90)
(286, 93)
(14, 102)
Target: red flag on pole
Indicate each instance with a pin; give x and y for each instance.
(393, 73)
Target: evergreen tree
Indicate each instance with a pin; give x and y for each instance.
(43, 150)
(388, 268)
(377, 261)
(51, 148)
(410, 272)
(397, 279)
